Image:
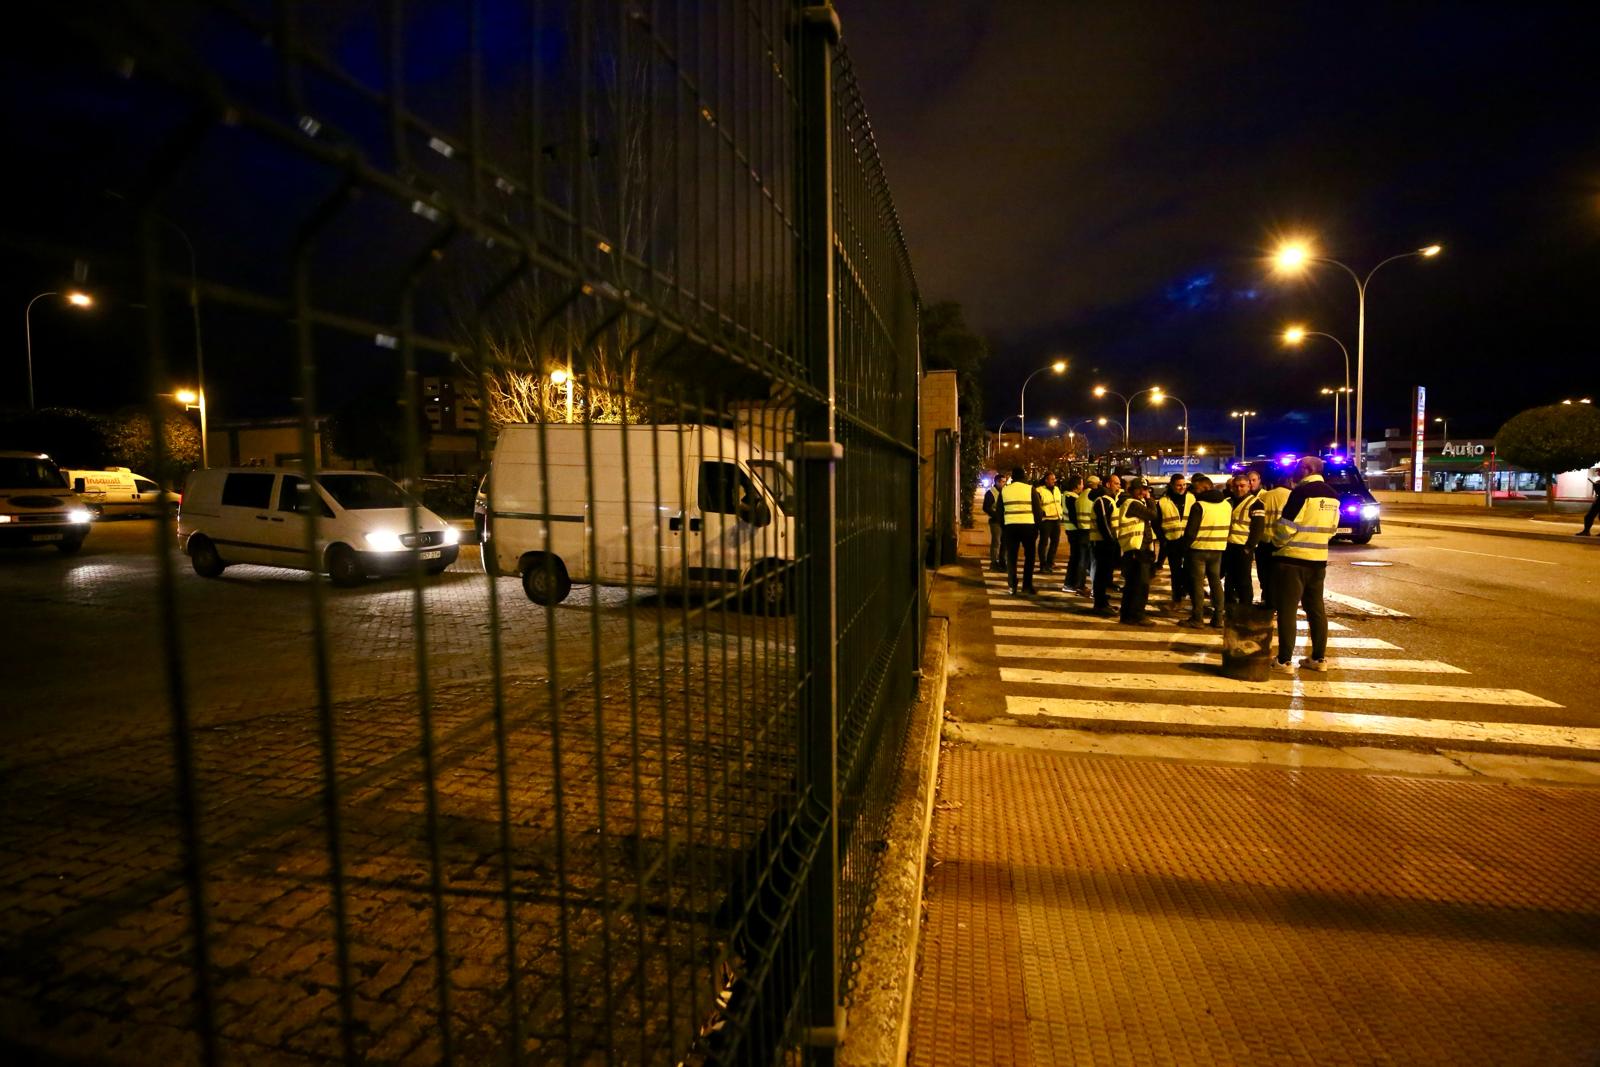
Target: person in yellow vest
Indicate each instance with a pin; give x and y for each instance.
(1104, 541)
(1077, 537)
(1309, 519)
(1087, 531)
(1019, 503)
(1051, 502)
(1272, 502)
(991, 508)
(1136, 538)
(1204, 539)
(1246, 527)
(1174, 510)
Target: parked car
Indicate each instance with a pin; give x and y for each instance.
(119, 491)
(1358, 508)
(693, 507)
(259, 515)
(37, 504)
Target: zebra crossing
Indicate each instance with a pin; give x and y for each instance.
(1059, 664)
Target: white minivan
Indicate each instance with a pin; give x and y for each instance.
(693, 507)
(259, 515)
(37, 504)
(119, 491)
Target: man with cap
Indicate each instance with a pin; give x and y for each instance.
(1136, 539)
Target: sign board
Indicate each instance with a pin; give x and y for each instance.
(1419, 434)
(1175, 464)
(1465, 449)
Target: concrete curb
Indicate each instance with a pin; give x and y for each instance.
(879, 1019)
(1526, 535)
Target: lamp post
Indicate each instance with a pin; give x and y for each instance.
(1244, 418)
(194, 400)
(75, 298)
(1444, 420)
(564, 377)
(1296, 334)
(1156, 397)
(1334, 391)
(1127, 405)
(1103, 421)
(1294, 257)
(1058, 367)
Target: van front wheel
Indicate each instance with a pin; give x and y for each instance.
(344, 566)
(204, 558)
(771, 591)
(545, 580)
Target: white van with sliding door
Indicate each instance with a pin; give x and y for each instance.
(259, 515)
(119, 491)
(687, 507)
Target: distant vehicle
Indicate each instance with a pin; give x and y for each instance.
(1358, 508)
(119, 491)
(259, 515)
(37, 504)
(694, 507)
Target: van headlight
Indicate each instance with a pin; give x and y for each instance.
(1369, 511)
(384, 541)
(77, 515)
(451, 535)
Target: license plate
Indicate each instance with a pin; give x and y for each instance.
(432, 553)
(48, 537)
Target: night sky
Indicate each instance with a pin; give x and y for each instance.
(1103, 180)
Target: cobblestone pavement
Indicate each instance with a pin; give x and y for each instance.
(608, 859)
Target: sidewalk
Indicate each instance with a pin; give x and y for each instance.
(1156, 907)
(1503, 522)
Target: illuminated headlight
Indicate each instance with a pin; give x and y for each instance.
(79, 515)
(6, 519)
(1369, 511)
(384, 541)
(451, 535)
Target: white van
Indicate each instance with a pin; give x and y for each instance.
(119, 491)
(38, 506)
(259, 514)
(724, 517)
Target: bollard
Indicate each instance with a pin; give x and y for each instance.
(1247, 643)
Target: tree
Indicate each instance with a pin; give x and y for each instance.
(130, 443)
(949, 344)
(1551, 439)
(71, 437)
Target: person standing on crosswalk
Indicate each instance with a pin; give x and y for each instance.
(1309, 519)
(1104, 540)
(997, 520)
(1173, 508)
(1204, 539)
(1136, 539)
(1088, 529)
(1272, 502)
(1077, 538)
(1050, 502)
(1019, 503)
(1245, 530)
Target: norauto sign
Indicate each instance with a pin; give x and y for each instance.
(1464, 448)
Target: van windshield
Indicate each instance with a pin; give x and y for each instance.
(1343, 477)
(776, 478)
(363, 492)
(27, 472)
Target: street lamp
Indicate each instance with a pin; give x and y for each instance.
(1127, 405)
(75, 298)
(1444, 420)
(1335, 391)
(1103, 421)
(195, 400)
(564, 377)
(1296, 256)
(1294, 335)
(1244, 418)
(1581, 400)
(1058, 367)
(1157, 395)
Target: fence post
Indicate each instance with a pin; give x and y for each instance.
(818, 450)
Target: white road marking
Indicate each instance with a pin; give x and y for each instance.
(1490, 555)
(1067, 633)
(1322, 721)
(1019, 611)
(1363, 605)
(1298, 686)
(1067, 650)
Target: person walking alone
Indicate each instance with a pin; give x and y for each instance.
(1173, 508)
(1136, 539)
(1050, 503)
(1204, 539)
(1594, 508)
(1245, 529)
(1019, 504)
(1104, 539)
(1307, 523)
(1077, 537)
(991, 508)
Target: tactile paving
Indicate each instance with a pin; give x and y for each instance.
(1090, 910)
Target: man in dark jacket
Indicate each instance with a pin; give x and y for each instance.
(1136, 525)
(1204, 539)
(991, 508)
(1106, 549)
(1307, 523)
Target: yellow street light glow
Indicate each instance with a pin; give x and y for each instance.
(1431, 250)
(1059, 366)
(1099, 390)
(558, 377)
(186, 396)
(1292, 256)
(1054, 423)
(1200, 451)
(1294, 335)
(80, 299)
(1102, 419)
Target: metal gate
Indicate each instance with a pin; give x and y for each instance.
(608, 787)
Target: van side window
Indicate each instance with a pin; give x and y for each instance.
(723, 486)
(140, 485)
(296, 496)
(247, 491)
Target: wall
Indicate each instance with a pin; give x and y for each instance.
(940, 411)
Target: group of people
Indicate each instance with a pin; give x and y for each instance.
(1212, 536)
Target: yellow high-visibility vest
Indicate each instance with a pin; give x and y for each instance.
(1273, 500)
(1050, 502)
(1173, 518)
(1069, 508)
(1213, 533)
(1086, 515)
(1016, 501)
(1130, 528)
(1306, 536)
(1239, 523)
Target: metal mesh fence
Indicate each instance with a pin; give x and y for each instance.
(597, 779)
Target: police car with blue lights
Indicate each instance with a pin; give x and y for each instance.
(1358, 508)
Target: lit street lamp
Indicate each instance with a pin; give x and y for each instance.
(1157, 395)
(1334, 391)
(1127, 405)
(1103, 421)
(1296, 334)
(1444, 421)
(1581, 400)
(1059, 367)
(564, 377)
(1244, 418)
(195, 400)
(1296, 256)
(75, 298)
